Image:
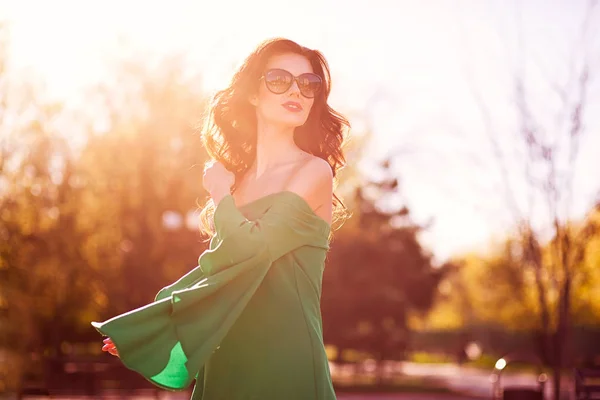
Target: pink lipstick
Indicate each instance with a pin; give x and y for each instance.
(292, 106)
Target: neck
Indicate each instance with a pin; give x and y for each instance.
(274, 145)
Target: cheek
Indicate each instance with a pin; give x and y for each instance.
(310, 104)
(308, 107)
(265, 95)
(267, 99)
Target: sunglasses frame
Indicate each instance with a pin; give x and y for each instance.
(294, 78)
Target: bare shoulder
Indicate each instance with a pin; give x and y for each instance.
(319, 169)
(314, 182)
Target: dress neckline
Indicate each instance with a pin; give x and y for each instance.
(292, 195)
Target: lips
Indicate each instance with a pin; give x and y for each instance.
(292, 106)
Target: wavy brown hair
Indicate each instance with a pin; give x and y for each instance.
(229, 131)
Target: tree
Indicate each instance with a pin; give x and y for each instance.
(43, 289)
(548, 147)
(491, 292)
(142, 206)
(377, 274)
(96, 218)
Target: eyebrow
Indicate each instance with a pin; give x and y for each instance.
(285, 69)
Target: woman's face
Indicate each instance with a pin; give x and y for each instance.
(290, 108)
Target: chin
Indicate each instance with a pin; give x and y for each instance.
(292, 120)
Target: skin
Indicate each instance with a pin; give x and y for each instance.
(277, 156)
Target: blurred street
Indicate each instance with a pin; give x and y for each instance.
(471, 381)
(403, 396)
(474, 381)
(463, 383)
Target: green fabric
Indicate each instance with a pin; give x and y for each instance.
(245, 322)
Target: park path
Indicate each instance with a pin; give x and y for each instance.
(475, 381)
(470, 383)
(404, 396)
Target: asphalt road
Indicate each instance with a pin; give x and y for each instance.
(403, 396)
(472, 383)
(407, 396)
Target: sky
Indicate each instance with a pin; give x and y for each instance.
(409, 71)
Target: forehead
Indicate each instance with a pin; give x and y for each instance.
(294, 63)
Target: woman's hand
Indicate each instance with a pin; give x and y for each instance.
(110, 347)
(217, 181)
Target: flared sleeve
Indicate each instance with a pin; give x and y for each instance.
(169, 341)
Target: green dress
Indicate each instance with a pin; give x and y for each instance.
(246, 322)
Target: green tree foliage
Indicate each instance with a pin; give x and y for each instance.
(143, 175)
(40, 288)
(377, 274)
(96, 214)
(497, 289)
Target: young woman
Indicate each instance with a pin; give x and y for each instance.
(246, 323)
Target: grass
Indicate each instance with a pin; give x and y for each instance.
(430, 358)
(486, 362)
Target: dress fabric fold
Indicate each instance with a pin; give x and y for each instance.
(246, 322)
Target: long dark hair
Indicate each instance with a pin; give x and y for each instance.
(229, 131)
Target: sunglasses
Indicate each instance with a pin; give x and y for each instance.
(279, 81)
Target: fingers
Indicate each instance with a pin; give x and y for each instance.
(214, 165)
(209, 165)
(110, 347)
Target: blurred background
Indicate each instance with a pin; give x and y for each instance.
(473, 178)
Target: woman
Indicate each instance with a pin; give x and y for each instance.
(246, 322)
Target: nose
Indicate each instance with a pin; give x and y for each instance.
(294, 89)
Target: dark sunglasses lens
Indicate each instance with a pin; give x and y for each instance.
(309, 84)
(278, 81)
